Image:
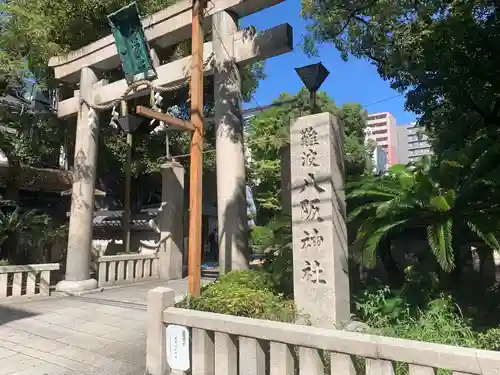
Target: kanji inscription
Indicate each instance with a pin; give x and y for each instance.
(312, 272)
(310, 182)
(320, 249)
(311, 238)
(308, 137)
(309, 158)
(310, 209)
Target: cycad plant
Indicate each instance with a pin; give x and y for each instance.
(18, 225)
(446, 198)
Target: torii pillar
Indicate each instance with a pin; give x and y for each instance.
(77, 276)
(231, 179)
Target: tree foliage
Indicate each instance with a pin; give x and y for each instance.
(442, 54)
(37, 30)
(269, 134)
(446, 199)
(33, 31)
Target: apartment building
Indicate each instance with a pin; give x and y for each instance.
(418, 142)
(381, 128)
(379, 160)
(402, 144)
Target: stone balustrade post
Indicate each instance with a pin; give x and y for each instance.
(159, 299)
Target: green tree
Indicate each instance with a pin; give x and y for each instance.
(269, 134)
(441, 54)
(27, 137)
(448, 200)
(34, 31)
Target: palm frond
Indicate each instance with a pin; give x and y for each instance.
(371, 239)
(488, 238)
(364, 208)
(399, 169)
(372, 193)
(484, 164)
(439, 203)
(439, 237)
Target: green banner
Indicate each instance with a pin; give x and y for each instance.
(131, 44)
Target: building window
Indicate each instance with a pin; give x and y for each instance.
(381, 139)
(378, 124)
(377, 117)
(383, 131)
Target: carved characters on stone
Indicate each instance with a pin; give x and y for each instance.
(309, 158)
(308, 137)
(320, 248)
(310, 182)
(310, 209)
(311, 239)
(312, 272)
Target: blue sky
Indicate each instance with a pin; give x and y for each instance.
(352, 81)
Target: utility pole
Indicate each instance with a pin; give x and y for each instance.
(196, 172)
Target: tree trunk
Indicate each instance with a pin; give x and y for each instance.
(395, 275)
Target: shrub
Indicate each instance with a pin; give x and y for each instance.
(243, 293)
(260, 238)
(278, 262)
(489, 340)
(440, 322)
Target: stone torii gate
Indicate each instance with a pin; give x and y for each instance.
(229, 46)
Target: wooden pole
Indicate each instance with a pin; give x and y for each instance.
(170, 120)
(196, 175)
(128, 177)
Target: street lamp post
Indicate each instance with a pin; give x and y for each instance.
(313, 77)
(137, 65)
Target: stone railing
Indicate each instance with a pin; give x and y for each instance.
(25, 281)
(126, 269)
(245, 346)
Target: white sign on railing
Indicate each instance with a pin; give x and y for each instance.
(178, 348)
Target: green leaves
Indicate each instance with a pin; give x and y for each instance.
(441, 54)
(439, 203)
(36, 30)
(432, 196)
(440, 238)
(268, 137)
(488, 238)
(372, 235)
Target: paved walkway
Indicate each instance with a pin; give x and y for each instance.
(100, 333)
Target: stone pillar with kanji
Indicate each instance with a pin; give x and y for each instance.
(320, 260)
